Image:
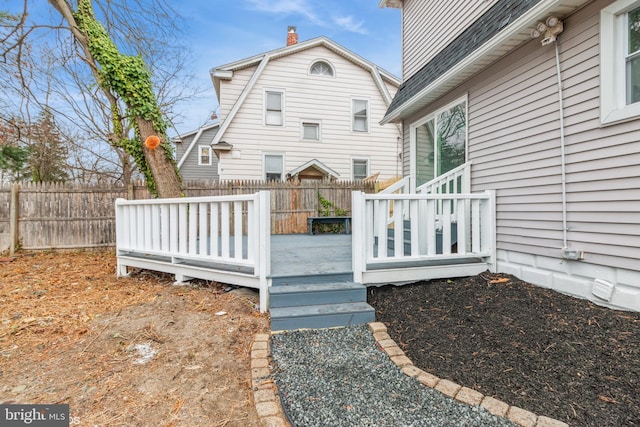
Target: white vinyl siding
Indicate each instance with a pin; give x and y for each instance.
(327, 100)
(514, 146)
(428, 27)
(231, 90)
(620, 65)
(515, 149)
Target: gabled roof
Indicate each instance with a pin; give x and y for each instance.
(225, 72)
(198, 134)
(317, 165)
(504, 27)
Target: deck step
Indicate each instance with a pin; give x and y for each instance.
(321, 316)
(316, 293)
(346, 276)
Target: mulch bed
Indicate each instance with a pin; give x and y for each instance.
(531, 347)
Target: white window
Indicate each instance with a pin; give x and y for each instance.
(360, 168)
(321, 68)
(439, 142)
(311, 130)
(620, 61)
(273, 167)
(204, 155)
(360, 112)
(274, 108)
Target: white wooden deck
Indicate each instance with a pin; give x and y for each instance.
(436, 232)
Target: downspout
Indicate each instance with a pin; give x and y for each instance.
(565, 243)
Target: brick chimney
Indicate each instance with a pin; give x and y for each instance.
(292, 36)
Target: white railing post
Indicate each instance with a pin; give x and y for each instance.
(489, 229)
(359, 243)
(263, 264)
(122, 235)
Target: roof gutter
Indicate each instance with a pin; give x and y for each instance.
(523, 21)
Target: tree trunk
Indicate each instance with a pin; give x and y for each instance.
(162, 168)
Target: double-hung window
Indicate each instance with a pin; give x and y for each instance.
(273, 167)
(620, 61)
(204, 155)
(360, 112)
(360, 169)
(274, 108)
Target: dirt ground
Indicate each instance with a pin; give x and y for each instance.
(133, 351)
(531, 347)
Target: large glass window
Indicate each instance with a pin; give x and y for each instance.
(632, 57)
(273, 108)
(440, 142)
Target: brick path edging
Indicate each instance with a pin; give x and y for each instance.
(462, 394)
(271, 414)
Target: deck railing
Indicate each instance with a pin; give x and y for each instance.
(394, 229)
(224, 232)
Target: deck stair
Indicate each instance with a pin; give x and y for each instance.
(318, 301)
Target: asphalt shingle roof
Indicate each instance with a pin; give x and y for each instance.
(481, 31)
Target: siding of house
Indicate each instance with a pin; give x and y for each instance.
(231, 91)
(427, 32)
(190, 169)
(514, 144)
(327, 99)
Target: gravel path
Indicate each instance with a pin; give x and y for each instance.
(339, 377)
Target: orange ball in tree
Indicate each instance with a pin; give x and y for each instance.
(152, 142)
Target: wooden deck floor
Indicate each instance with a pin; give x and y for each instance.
(304, 254)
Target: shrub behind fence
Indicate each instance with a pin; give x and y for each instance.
(81, 216)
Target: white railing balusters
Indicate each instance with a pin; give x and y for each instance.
(231, 231)
(442, 226)
(237, 230)
(214, 231)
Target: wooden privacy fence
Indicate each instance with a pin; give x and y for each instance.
(81, 216)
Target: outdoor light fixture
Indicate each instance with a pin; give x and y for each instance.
(550, 29)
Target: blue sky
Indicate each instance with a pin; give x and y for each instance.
(219, 32)
(223, 32)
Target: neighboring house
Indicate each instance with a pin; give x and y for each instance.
(310, 110)
(194, 156)
(553, 125)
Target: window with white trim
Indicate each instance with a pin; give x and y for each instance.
(311, 130)
(274, 108)
(620, 61)
(204, 155)
(360, 113)
(439, 142)
(273, 167)
(321, 68)
(359, 169)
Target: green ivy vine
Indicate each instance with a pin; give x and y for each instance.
(130, 79)
(327, 206)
